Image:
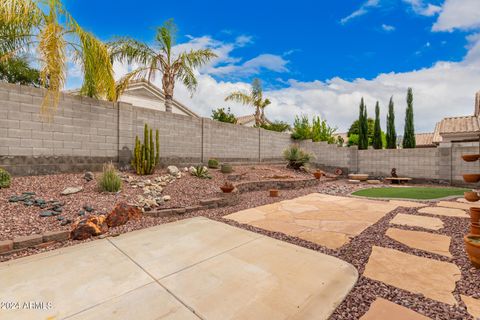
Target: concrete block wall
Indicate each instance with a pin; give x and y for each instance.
(414, 163)
(85, 133)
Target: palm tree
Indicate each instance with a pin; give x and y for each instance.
(46, 28)
(172, 66)
(253, 98)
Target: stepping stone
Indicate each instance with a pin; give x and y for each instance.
(475, 203)
(417, 221)
(456, 205)
(434, 279)
(425, 241)
(384, 309)
(374, 181)
(408, 204)
(473, 306)
(446, 212)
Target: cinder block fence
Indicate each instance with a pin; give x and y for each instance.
(84, 133)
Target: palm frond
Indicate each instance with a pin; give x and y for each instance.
(52, 51)
(198, 58)
(187, 76)
(240, 97)
(130, 51)
(166, 38)
(122, 84)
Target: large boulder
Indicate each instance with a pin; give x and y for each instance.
(88, 227)
(121, 214)
(172, 170)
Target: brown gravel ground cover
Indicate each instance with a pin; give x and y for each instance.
(355, 252)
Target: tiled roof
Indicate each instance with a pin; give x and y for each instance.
(245, 119)
(424, 139)
(467, 124)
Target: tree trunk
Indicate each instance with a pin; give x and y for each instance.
(168, 82)
(258, 118)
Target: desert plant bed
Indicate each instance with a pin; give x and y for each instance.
(20, 218)
(419, 193)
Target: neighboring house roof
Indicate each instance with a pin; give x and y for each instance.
(243, 120)
(147, 89)
(144, 89)
(457, 128)
(424, 139)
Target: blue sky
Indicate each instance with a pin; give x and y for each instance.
(304, 51)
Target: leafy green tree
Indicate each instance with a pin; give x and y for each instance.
(318, 130)
(50, 32)
(253, 98)
(16, 70)
(391, 132)
(278, 126)
(223, 116)
(409, 133)
(355, 125)
(377, 130)
(160, 58)
(353, 140)
(362, 127)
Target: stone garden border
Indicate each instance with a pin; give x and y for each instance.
(35, 240)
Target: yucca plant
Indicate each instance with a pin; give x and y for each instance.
(45, 28)
(110, 180)
(200, 172)
(5, 178)
(296, 157)
(160, 58)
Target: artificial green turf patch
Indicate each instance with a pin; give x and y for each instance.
(420, 193)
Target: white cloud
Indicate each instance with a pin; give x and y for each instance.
(458, 14)
(388, 28)
(423, 8)
(361, 11)
(253, 66)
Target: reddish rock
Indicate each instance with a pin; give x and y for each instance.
(88, 227)
(122, 213)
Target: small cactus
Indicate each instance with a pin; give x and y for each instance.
(146, 155)
(213, 164)
(5, 178)
(226, 168)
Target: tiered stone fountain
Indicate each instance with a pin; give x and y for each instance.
(472, 240)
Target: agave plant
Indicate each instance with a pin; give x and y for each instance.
(163, 60)
(253, 98)
(200, 172)
(46, 28)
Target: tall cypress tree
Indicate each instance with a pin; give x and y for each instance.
(362, 127)
(409, 134)
(391, 132)
(377, 130)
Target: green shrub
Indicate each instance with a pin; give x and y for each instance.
(146, 155)
(213, 164)
(278, 126)
(5, 178)
(296, 157)
(317, 130)
(226, 168)
(223, 116)
(200, 172)
(110, 180)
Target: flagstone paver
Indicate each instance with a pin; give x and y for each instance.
(408, 204)
(327, 220)
(434, 243)
(417, 221)
(382, 309)
(434, 279)
(447, 212)
(456, 205)
(475, 203)
(473, 306)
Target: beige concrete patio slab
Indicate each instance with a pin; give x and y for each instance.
(432, 278)
(434, 243)
(150, 302)
(327, 220)
(264, 279)
(457, 205)
(446, 212)
(417, 221)
(382, 309)
(210, 268)
(168, 248)
(72, 279)
(408, 204)
(473, 306)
